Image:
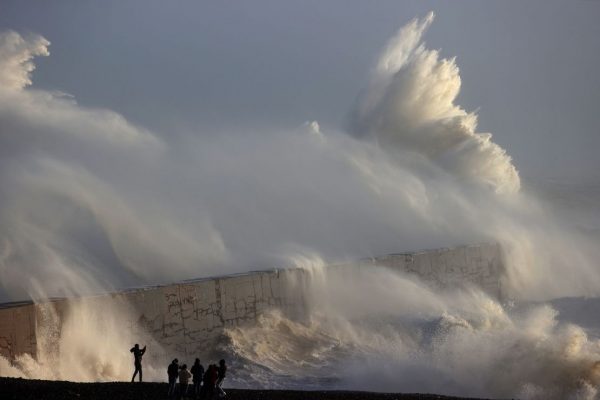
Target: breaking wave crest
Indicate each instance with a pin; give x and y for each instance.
(409, 103)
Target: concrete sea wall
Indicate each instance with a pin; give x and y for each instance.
(478, 265)
(190, 316)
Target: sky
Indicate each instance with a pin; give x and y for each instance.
(529, 69)
(215, 138)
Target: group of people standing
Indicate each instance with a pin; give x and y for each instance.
(206, 383)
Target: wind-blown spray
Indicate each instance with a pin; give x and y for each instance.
(90, 202)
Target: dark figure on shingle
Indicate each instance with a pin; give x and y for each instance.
(184, 378)
(172, 373)
(197, 374)
(137, 360)
(209, 380)
(221, 371)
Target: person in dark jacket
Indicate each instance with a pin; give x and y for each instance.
(208, 382)
(173, 372)
(221, 371)
(197, 373)
(137, 360)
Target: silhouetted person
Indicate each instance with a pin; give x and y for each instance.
(137, 357)
(197, 373)
(173, 372)
(184, 378)
(222, 370)
(208, 382)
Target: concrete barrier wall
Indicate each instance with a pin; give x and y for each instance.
(479, 265)
(183, 318)
(17, 330)
(189, 317)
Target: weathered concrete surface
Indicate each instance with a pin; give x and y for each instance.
(480, 265)
(17, 330)
(189, 317)
(183, 318)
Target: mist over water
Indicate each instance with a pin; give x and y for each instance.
(90, 202)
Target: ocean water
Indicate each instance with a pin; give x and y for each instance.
(455, 342)
(91, 203)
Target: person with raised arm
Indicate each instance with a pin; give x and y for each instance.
(137, 360)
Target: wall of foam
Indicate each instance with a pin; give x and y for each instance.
(189, 317)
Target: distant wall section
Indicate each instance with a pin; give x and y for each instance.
(478, 265)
